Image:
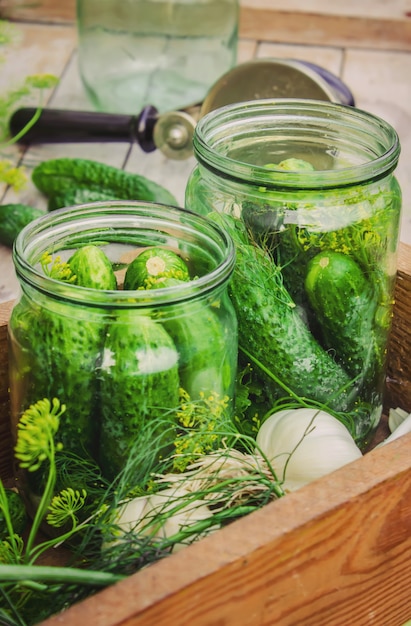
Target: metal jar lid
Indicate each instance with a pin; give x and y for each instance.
(252, 80)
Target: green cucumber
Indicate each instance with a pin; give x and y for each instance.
(55, 354)
(57, 176)
(345, 305)
(139, 384)
(13, 218)
(78, 195)
(152, 264)
(271, 330)
(205, 346)
(205, 349)
(92, 268)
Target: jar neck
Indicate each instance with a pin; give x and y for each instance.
(136, 224)
(345, 145)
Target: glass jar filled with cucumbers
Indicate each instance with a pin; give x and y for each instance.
(123, 316)
(307, 191)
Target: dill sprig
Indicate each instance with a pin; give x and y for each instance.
(56, 268)
(212, 476)
(36, 447)
(201, 424)
(10, 173)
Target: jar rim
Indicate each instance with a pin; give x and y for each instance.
(259, 120)
(63, 223)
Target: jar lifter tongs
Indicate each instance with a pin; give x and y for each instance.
(172, 132)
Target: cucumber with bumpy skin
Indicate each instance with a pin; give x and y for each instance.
(271, 329)
(139, 384)
(79, 195)
(92, 268)
(55, 357)
(345, 305)
(57, 176)
(13, 218)
(152, 264)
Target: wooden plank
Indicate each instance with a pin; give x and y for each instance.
(394, 9)
(6, 450)
(368, 24)
(336, 552)
(335, 30)
(39, 10)
(398, 383)
(397, 9)
(35, 49)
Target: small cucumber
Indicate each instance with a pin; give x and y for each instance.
(57, 176)
(345, 304)
(139, 383)
(13, 218)
(55, 357)
(205, 345)
(92, 268)
(154, 263)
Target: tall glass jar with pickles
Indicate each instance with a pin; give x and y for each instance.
(308, 192)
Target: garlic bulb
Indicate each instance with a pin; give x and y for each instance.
(305, 444)
(399, 423)
(153, 515)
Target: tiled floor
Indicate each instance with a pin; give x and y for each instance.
(379, 80)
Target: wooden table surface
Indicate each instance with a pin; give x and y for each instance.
(368, 47)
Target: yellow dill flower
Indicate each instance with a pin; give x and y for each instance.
(41, 81)
(8, 552)
(16, 177)
(204, 422)
(56, 268)
(65, 505)
(35, 433)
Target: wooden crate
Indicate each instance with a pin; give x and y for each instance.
(335, 553)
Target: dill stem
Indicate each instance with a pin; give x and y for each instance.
(26, 128)
(52, 574)
(44, 502)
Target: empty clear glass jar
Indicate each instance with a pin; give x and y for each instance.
(165, 53)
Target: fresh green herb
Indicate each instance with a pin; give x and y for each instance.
(10, 173)
(129, 526)
(12, 501)
(37, 446)
(56, 268)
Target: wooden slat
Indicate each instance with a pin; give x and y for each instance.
(329, 30)
(266, 21)
(336, 552)
(39, 10)
(399, 352)
(6, 454)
